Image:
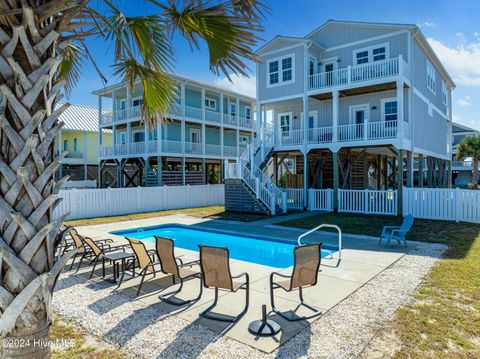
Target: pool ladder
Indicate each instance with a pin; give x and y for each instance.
(339, 231)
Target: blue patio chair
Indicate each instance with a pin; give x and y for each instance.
(397, 233)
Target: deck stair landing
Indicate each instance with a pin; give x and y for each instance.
(240, 198)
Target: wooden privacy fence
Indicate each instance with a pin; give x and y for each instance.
(368, 201)
(90, 203)
(320, 199)
(442, 204)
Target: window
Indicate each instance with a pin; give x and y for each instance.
(138, 101)
(312, 69)
(280, 71)
(371, 54)
(210, 104)
(194, 135)
(362, 57)
(248, 113)
(123, 138)
(444, 93)
(75, 145)
(287, 69)
(284, 120)
(123, 104)
(273, 71)
(390, 111)
(65, 145)
(233, 109)
(138, 136)
(312, 119)
(379, 53)
(243, 140)
(431, 84)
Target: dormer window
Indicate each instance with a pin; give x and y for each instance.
(280, 71)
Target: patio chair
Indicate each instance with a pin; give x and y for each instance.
(215, 265)
(145, 260)
(397, 233)
(175, 267)
(97, 251)
(78, 243)
(307, 260)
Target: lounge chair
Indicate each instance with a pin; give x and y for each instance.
(83, 251)
(397, 233)
(305, 274)
(144, 258)
(97, 252)
(175, 267)
(215, 265)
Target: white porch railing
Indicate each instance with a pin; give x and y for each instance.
(193, 112)
(294, 198)
(213, 150)
(194, 148)
(292, 137)
(320, 134)
(381, 129)
(171, 146)
(213, 116)
(359, 73)
(368, 201)
(353, 132)
(137, 148)
(230, 151)
(320, 199)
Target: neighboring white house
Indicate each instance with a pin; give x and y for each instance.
(353, 105)
(208, 126)
(461, 170)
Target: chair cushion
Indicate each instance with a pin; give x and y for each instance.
(186, 272)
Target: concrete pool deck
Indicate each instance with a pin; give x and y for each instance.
(362, 259)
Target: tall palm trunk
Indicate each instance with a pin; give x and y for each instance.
(29, 57)
(475, 172)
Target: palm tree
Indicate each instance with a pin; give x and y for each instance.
(42, 48)
(470, 147)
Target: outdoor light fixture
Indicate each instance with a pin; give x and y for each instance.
(374, 107)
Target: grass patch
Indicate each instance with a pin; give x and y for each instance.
(443, 320)
(85, 346)
(213, 212)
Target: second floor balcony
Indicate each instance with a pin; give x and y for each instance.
(181, 112)
(369, 131)
(358, 74)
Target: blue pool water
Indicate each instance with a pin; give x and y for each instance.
(261, 250)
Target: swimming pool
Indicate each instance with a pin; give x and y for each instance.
(261, 250)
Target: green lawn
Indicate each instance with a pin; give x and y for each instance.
(213, 212)
(443, 321)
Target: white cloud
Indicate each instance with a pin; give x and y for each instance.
(462, 61)
(464, 102)
(429, 24)
(243, 85)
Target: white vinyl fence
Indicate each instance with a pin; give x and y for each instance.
(90, 203)
(294, 198)
(320, 199)
(80, 184)
(443, 204)
(367, 201)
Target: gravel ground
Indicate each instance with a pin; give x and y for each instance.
(142, 331)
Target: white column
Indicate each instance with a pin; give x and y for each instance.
(114, 105)
(203, 139)
(238, 141)
(221, 141)
(305, 150)
(221, 107)
(182, 98)
(203, 104)
(238, 111)
(129, 136)
(129, 101)
(400, 108)
(335, 114)
(182, 134)
(159, 135)
(258, 109)
(145, 137)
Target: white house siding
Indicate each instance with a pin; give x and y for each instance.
(430, 131)
(295, 88)
(340, 34)
(397, 46)
(420, 78)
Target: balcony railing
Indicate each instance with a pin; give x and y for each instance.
(230, 151)
(345, 133)
(355, 74)
(213, 150)
(194, 148)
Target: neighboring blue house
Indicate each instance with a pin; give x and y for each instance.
(461, 170)
(208, 126)
(378, 101)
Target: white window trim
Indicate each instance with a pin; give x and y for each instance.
(444, 93)
(214, 108)
(123, 100)
(290, 126)
(315, 64)
(280, 77)
(234, 103)
(75, 144)
(382, 106)
(198, 132)
(136, 98)
(369, 49)
(434, 89)
(352, 108)
(248, 107)
(314, 114)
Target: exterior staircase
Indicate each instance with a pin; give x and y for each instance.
(247, 176)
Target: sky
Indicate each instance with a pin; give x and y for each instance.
(451, 27)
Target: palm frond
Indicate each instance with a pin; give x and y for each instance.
(469, 147)
(72, 57)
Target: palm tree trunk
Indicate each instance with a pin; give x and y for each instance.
(29, 46)
(475, 172)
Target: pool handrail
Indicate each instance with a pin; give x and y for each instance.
(325, 225)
